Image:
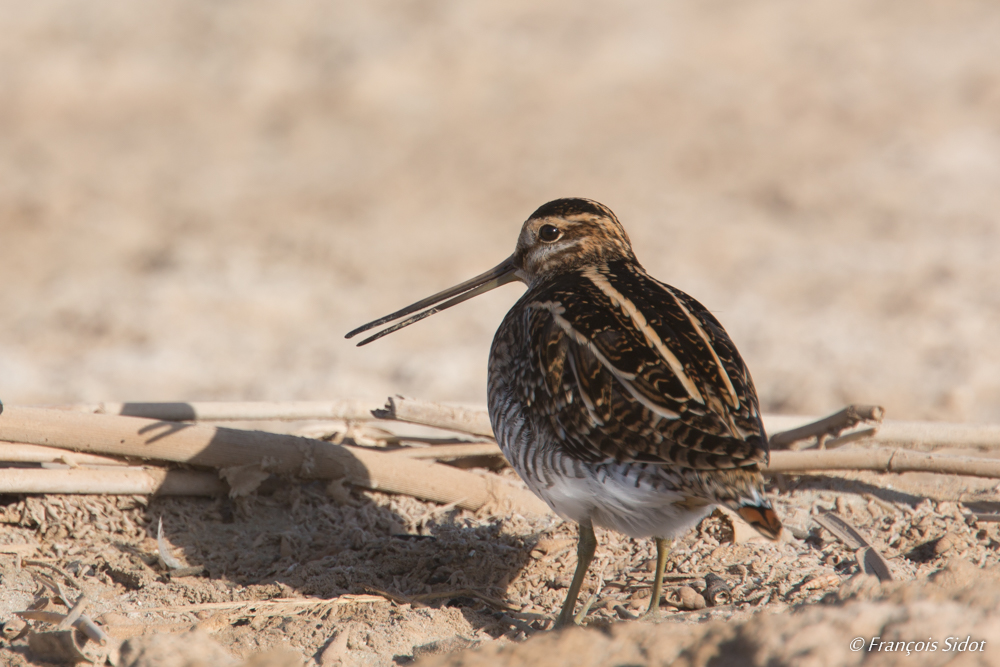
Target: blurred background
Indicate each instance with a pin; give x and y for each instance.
(198, 199)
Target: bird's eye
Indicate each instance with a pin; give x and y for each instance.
(549, 233)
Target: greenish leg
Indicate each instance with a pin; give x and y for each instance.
(585, 548)
(662, 549)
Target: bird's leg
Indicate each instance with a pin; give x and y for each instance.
(584, 554)
(662, 549)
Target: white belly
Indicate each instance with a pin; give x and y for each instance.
(610, 498)
(634, 499)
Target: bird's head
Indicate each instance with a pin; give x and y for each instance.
(567, 235)
(561, 236)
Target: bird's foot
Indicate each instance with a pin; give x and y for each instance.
(568, 619)
(582, 614)
(563, 621)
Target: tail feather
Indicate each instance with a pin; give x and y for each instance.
(763, 518)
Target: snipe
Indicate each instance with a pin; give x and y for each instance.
(620, 400)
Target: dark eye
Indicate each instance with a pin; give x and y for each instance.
(548, 233)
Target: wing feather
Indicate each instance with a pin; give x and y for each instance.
(636, 370)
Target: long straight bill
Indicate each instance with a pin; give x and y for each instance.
(501, 274)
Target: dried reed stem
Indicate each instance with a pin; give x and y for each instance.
(116, 481)
(921, 435)
(446, 452)
(883, 460)
(451, 417)
(218, 447)
(911, 434)
(16, 452)
(349, 410)
(828, 427)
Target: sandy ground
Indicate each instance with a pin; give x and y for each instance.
(197, 200)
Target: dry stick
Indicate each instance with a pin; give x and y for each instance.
(84, 623)
(119, 481)
(883, 460)
(452, 417)
(15, 452)
(349, 410)
(920, 435)
(831, 426)
(929, 435)
(446, 452)
(75, 612)
(218, 447)
(933, 435)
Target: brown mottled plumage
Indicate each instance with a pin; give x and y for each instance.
(621, 401)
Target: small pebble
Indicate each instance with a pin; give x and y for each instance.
(690, 599)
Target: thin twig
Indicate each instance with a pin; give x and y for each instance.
(74, 613)
(883, 460)
(831, 426)
(347, 410)
(451, 417)
(76, 618)
(445, 452)
(922, 435)
(466, 592)
(517, 623)
(55, 568)
(393, 597)
(85, 624)
(117, 480)
(15, 452)
(926, 435)
(910, 434)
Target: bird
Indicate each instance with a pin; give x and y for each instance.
(619, 400)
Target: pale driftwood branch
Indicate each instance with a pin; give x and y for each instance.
(829, 427)
(445, 452)
(935, 435)
(115, 481)
(218, 447)
(883, 460)
(451, 417)
(348, 410)
(923, 435)
(18, 452)
(911, 434)
(880, 460)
